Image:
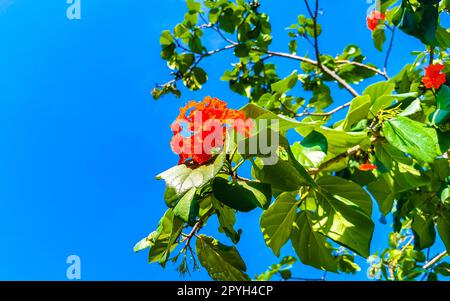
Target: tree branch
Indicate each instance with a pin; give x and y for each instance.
(324, 68)
(345, 105)
(197, 227)
(388, 53)
(435, 260)
(350, 152)
(374, 69)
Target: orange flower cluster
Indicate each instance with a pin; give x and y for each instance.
(200, 129)
(367, 166)
(434, 78)
(374, 19)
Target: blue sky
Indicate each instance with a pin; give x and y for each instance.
(81, 138)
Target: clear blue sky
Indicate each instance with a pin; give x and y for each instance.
(81, 138)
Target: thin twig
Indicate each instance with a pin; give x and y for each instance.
(306, 279)
(388, 53)
(374, 69)
(349, 152)
(345, 105)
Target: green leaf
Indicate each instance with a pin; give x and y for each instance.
(443, 37)
(227, 218)
(345, 216)
(285, 84)
(358, 110)
(166, 38)
(242, 195)
(169, 229)
(379, 89)
(384, 101)
(380, 189)
(180, 179)
(293, 46)
(442, 113)
(284, 123)
(443, 268)
(187, 208)
(421, 23)
(413, 108)
(223, 263)
(193, 6)
(411, 137)
(241, 50)
(286, 174)
(423, 229)
(276, 222)
(281, 268)
(146, 242)
(379, 37)
(346, 263)
(311, 246)
(339, 141)
(348, 190)
(311, 151)
(443, 227)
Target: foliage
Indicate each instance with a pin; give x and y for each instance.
(391, 147)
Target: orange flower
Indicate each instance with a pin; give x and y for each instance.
(374, 19)
(367, 166)
(200, 129)
(434, 78)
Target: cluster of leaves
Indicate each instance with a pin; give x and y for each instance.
(315, 197)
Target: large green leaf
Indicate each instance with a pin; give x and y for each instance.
(442, 113)
(420, 22)
(443, 37)
(242, 195)
(379, 37)
(223, 263)
(180, 179)
(384, 101)
(383, 192)
(412, 137)
(227, 218)
(284, 123)
(285, 84)
(400, 167)
(168, 231)
(187, 208)
(339, 141)
(423, 229)
(357, 111)
(312, 150)
(312, 247)
(286, 174)
(344, 220)
(443, 226)
(276, 222)
(347, 190)
(379, 89)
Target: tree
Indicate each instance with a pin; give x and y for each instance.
(392, 146)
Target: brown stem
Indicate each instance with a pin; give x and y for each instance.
(197, 227)
(350, 152)
(431, 55)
